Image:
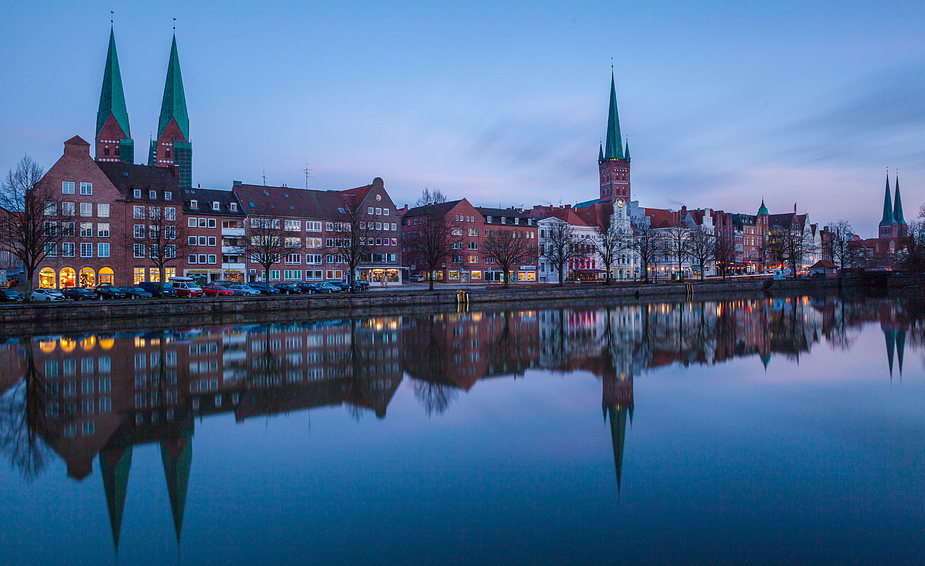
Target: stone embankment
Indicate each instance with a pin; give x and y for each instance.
(176, 313)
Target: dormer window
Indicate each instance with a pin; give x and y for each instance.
(152, 195)
(215, 205)
(168, 195)
(136, 193)
(233, 206)
(193, 204)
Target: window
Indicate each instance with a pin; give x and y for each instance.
(102, 210)
(293, 259)
(203, 240)
(294, 242)
(51, 250)
(152, 195)
(51, 209)
(378, 225)
(67, 249)
(394, 227)
(212, 223)
(212, 258)
(191, 240)
(474, 246)
(86, 209)
(170, 232)
(136, 193)
(51, 228)
(385, 211)
(293, 226)
(138, 231)
(215, 205)
(212, 240)
(170, 214)
(233, 206)
(191, 222)
(68, 208)
(168, 195)
(193, 204)
(378, 212)
(86, 250)
(102, 230)
(86, 189)
(86, 229)
(67, 187)
(138, 212)
(102, 250)
(139, 252)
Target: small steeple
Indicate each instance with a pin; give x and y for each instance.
(600, 154)
(898, 205)
(112, 97)
(627, 152)
(173, 106)
(614, 139)
(763, 209)
(887, 205)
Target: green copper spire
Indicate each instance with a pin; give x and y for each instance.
(600, 153)
(898, 206)
(763, 209)
(613, 149)
(114, 466)
(627, 152)
(887, 205)
(174, 103)
(112, 97)
(618, 416)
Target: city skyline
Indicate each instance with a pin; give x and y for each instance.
(504, 105)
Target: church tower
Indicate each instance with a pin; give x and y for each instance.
(113, 138)
(888, 226)
(172, 147)
(613, 161)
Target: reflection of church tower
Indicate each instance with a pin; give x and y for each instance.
(894, 332)
(618, 405)
(114, 467)
(177, 457)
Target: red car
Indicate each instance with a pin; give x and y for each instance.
(217, 291)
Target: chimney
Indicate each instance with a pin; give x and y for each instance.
(236, 183)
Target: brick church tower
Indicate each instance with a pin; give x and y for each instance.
(172, 147)
(113, 138)
(613, 161)
(892, 224)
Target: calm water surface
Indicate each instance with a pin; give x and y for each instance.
(772, 431)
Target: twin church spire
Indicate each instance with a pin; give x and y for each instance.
(113, 136)
(893, 223)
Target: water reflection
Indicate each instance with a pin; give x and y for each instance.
(79, 397)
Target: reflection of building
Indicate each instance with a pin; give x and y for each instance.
(618, 405)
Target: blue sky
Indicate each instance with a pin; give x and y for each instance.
(503, 103)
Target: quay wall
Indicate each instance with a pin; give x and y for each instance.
(175, 313)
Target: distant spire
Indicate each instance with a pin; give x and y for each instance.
(627, 152)
(763, 209)
(618, 416)
(112, 97)
(900, 349)
(898, 205)
(177, 457)
(887, 204)
(613, 148)
(173, 106)
(600, 153)
(890, 336)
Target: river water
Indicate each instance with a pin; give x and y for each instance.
(760, 431)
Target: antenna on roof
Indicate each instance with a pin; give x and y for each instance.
(308, 173)
(264, 177)
(111, 12)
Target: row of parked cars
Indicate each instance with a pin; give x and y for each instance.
(178, 287)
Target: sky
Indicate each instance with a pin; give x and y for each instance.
(504, 103)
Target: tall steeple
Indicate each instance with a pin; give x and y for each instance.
(113, 136)
(173, 147)
(613, 163)
(887, 205)
(114, 466)
(898, 205)
(177, 457)
(613, 148)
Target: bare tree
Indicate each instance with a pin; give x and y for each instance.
(353, 242)
(840, 233)
(914, 244)
(561, 247)
(611, 240)
(795, 244)
(430, 197)
(265, 243)
(701, 247)
(30, 218)
(724, 251)
(676, 244)
(646, 242)
(508, 248)
(162, 240)
(430, 239)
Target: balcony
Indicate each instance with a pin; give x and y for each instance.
(239, 232)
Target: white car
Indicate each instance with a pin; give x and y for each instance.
(243, 290)
(47, 295)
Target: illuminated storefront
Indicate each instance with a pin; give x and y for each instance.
(68, 277)
(87, 277)
(47, 278)
(107, 277)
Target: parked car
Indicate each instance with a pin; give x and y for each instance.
(79, 294)
(186, 287)
(158, 289)
(47, 295)
(417, 278)
(135, 293)
(338, 283)
(325, 288)
(305, 287)
(262, 287)
(107, 291)
(225, 283)
(10, 295)
(12, 279)
(217, 291)
(243, 290)
(288, 288)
